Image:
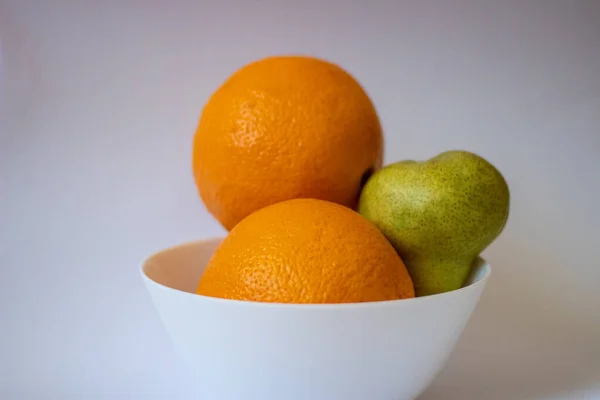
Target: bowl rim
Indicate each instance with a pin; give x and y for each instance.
(485, 266)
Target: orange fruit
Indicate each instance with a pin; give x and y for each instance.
(283, 128)
(306, 251)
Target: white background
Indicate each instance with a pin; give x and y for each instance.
(102, 99)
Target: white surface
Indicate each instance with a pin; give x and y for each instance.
(102, 99)
(256, 351)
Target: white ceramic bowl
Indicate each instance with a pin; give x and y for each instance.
(388, 350)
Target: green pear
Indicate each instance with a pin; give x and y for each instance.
(439, 214)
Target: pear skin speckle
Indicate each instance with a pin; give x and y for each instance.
(439, 214)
